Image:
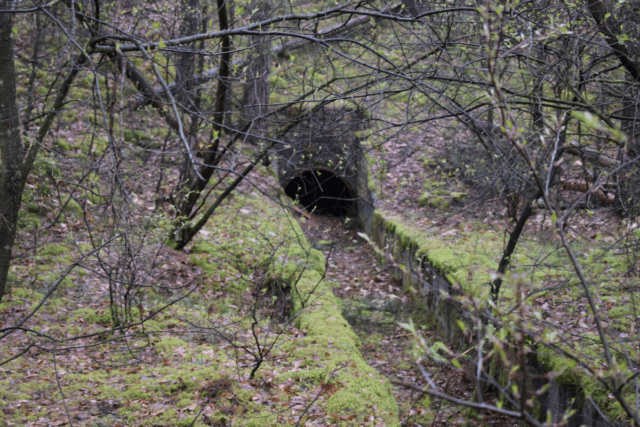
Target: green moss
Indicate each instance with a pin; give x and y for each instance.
(63, 145)
(427, 200)
(329, 337)
(458, 197)
(166, 346)
(265, 419)
(136, 135)
(36, 209)
(43, 188)
(69, 115)
(100, 317)
(18, 295)
(73, 207)
(46, 167)
(52, 250)
(95, 199)
(467, 258)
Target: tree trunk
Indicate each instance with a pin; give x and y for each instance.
(627, 200)
(186, 60)
(16, 160)
(11, 150)
(193, 188)
(256, 87)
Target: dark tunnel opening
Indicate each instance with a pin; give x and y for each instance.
(321, 192)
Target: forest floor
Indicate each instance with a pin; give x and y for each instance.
(88, 382)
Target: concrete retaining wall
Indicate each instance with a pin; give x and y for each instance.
(433, 286)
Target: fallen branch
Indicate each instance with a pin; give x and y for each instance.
(573, 185)
(524, 415)
(593, 157)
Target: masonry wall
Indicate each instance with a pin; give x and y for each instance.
(328, 141)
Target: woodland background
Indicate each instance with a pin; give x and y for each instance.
(152, 272)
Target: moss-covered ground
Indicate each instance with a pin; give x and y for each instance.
(191, 363)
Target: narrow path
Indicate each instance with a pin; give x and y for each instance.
(374, 302)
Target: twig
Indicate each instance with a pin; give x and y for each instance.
(523, 415)
(64, 399)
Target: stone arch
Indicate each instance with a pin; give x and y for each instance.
(327, 142)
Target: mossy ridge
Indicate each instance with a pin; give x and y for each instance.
(468, 257)
(573, 376)
(361, 391)
(455, 261)
(329, 339)
(451, 263)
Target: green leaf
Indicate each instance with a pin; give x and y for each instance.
(440, 346)
(426, 402)
(408, 326)
(554, 217)
(365, 237)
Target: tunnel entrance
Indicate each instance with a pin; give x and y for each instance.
(322, 192)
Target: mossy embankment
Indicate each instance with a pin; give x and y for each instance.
(194, 358)
(466, 256)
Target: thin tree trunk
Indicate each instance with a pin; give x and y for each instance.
(256, 86)
(527, 210)
(17, 160)
(186, 60)
(196, 185)
(11, 150)
(627, 198)
(37, 42)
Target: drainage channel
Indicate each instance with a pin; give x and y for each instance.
(374, 303)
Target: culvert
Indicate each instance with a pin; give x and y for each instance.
(322, 191)
(322, 165)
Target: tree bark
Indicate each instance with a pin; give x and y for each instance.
(194, 187)
(11, 150)
(16, 159)
(527, 210)
(256, 86)
(186, 59)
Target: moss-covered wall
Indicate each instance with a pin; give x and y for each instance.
(435, 272)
